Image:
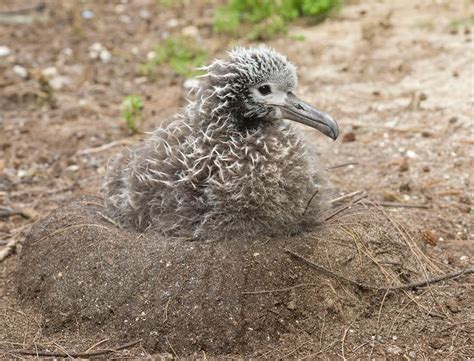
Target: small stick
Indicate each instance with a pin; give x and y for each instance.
(345, 196)
(342, 165)
(126, 141)
(97, 344)
(343, 208)
(310, 200)
(401, 205)
(73, 354)
(416, 284)
(344, 341)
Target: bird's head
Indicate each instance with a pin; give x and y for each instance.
(254, 87)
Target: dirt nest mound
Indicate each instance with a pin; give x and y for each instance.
(220, 297)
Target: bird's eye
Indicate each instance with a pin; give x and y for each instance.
(265, 89)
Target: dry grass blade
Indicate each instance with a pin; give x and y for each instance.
(9, 249)
(345, 196)
(104, 147)
(343, 208)
(39, 353)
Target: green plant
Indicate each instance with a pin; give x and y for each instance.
(182, 54)
(269, 17)
(468, 21)
(132, 107)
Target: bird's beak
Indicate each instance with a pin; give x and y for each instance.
(297, 110)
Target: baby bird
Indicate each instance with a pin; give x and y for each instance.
(229, 166)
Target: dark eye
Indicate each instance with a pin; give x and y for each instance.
(265, 89)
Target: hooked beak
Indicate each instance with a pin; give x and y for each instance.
(297, 110)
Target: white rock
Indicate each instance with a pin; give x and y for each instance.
(59, 82)
(22, 173)
(105, 56)
(50, 72)
(72, 168)
(4, 51)
(20, 71)
(150, 55)
(98, 51)
(144, 14)
(172, 23)
(411, 154)
(67, 51)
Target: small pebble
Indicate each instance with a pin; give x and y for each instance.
(50, 72)
(411, 154)
(150, 55)
(20, 71)
(349, 137)
(67, 52)
(172, 23)
(405, 187)
(105, 56)
(144, 14)
(404, 166)
(4, 51)
(98, 51)
(394, 350)
(72, 168)
(291, 305)
(59, 82)
(87, 14)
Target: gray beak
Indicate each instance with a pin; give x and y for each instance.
(301, 112)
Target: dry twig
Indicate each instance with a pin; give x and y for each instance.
(407, 286)
(342, 165)
(310, 200)
(401, 205)
(343, 208)
(39, 353)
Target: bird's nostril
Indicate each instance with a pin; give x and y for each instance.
(299, 106)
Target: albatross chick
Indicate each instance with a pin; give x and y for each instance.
(230, 165)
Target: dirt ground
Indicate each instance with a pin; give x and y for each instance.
(398, 77)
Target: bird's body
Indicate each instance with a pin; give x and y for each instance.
(226, 167)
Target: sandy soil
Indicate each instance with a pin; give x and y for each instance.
(398, 76)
